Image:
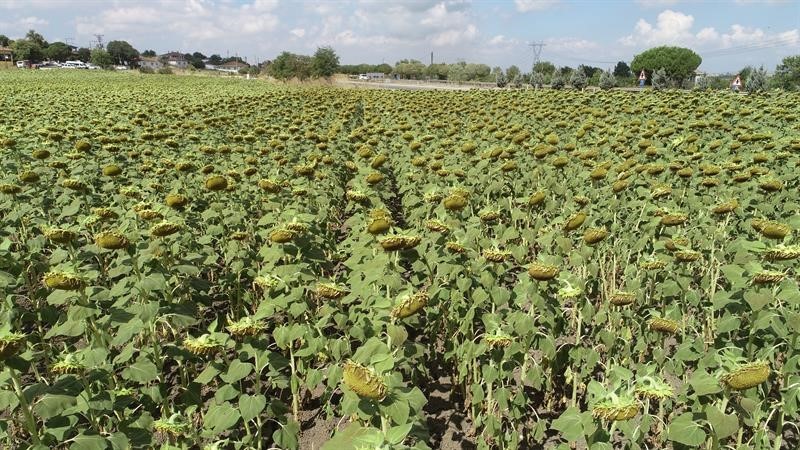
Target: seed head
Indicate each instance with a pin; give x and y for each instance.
(663, 325)
(410, 305)
(622, 298)
(164, 228)
(62, 281)
(542, 272)
(281, 236)
(10, 344)
(330, 291)
(69, 363)
(363, 381)
(111, 240)
(246, 327)
(216, 183)
(594, 235)
(204, 345)
(575, 221)
(746, 376)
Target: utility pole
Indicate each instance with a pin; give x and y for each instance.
(537, 52)
(99, 38)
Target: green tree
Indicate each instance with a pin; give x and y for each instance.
(58, 51)
(4, 40)
(122, 52)
(678, 63)
(409, 69)
(537, 79)
(622, 70)
(324, 63)
(660, 79)
(512, 72)
(83, 54)
(787, 74)
(557, 81)
(289, 65)
(149, 53)
(437, 71)
(36, 38)
(544, 67)
(215, 59)
(499, 77)
(24, 49)
(101, 58)
(589, 71)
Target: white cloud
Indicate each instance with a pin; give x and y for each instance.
(534, 5)
(570, 45)
(298, 32)
(675, 28)
(671, 27)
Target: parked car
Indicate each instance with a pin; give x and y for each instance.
(23, 64)
(93, 67)
(363, 76)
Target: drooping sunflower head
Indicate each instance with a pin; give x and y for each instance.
(356, 196)
(622, 298)
(455, 247)
(410, 305)
(496, 255)
(782, 253)
(489, 216)
(28, 176)
(176, 425)
(536, 198)
(774, 230)
(10, 344)
(204, 345)
(498, 340)
(10, 188)
(379, 225)
(768, 277)
(673, 219)
(653, 388)
(363, 381)
(594, 235)
(542, 272)
(747, 375)
(111, 240)
(726, 207)
(63, 281)
(216, 183)
(575, 221)
(60, 235)
(69, 363)
(616, 408)
(687, 255)
(246, 327)
(330, 290)
(281, 236)
(164, 228)
(455, 202)
(663, 325)
(176, 201)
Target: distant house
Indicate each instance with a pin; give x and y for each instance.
(698, 75)
(6, 54)
(150, 63)
(175, 59)
(232, 66)
(376, 75)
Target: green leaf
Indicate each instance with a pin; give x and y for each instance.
(237, 371)
(219, 418)
(251, 406)
(685, 430)
(723, 425)
(397, 434)
(757, 300)
(703, 383)
(287, 436)
(87, 441)
(142, 371)
(570, 424)
(346, 439)
(51, 405)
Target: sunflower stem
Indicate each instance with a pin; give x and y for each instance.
(30, 421)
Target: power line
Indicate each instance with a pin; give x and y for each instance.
(537, 52)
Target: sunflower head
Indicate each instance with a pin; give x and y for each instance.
(542, 272)
(662, 325)
(29, 176)
(216, 183)
(673, 219)
(111, 240)
(246, 327)
(594, 235)
(173, 426)
(10, 189)
(768, 277)
(410, 305)
(455, 247)
(622, 298)
(498, 340)
(69, 363)
(60, 235)
(745, 376)
(536, 199)
(62, 281)
(653, 388)
(575, 221)
(782, 253)
(281, 236)
(330, 290)
(455, 202)
(176, 201)
(363, 381)
(164, 228)
(379, 225)
(204, 345)
(437, 226)
(10, 344)
(616, 408)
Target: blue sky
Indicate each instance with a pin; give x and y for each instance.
(727, 34)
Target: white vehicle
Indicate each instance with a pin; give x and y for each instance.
(74, 65)
(120, 67)
(363, 76)
(22, 64)
(93, 67)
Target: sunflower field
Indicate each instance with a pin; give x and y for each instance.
(198, 263)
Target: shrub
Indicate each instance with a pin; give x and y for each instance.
(607, 80)
(148, 70)
(537, 79)
(757, 81)
(501, 79)
(578, 80)
(557, 82)
(165, 71)
(659, 79)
